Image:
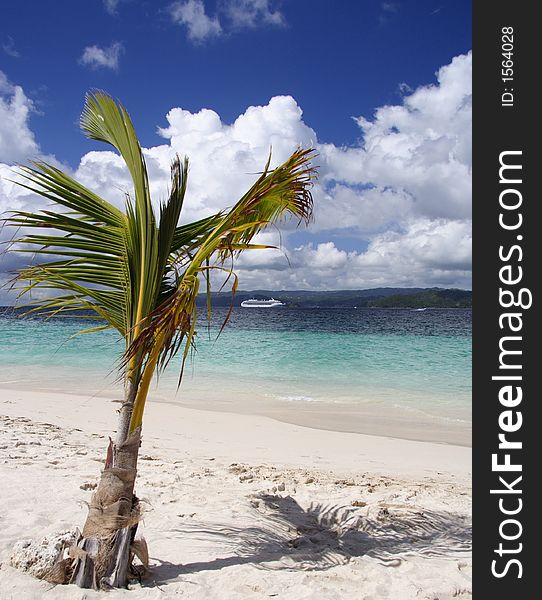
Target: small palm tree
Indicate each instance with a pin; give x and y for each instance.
(140, 273)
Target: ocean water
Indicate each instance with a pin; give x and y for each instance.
(355, 369)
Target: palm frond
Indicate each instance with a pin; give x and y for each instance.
(106, 120)
(52, 183)
(90, 263)
(284, 190)
(170, 211)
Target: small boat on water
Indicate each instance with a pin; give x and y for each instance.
(253, 303)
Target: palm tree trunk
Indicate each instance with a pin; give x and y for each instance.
(103, 555)
(125, 413)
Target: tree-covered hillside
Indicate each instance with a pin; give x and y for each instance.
(371, 298)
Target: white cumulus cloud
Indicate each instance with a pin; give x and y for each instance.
(17, 145)
(192, 15)
(102, 58)
(17, 141)
(251, 13)
(422, 147)
(231, 16)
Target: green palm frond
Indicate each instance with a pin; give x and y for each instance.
(106, 120)
(285, 190)
(90, 235)
(277, 193)
(52, 183)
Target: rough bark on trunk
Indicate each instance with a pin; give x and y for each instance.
(125, 413)
(112, 520)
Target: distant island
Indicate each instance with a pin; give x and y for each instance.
(371, 298)
(432, 298)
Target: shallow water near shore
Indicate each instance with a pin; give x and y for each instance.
(401, 373)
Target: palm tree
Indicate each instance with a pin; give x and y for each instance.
(140, 273)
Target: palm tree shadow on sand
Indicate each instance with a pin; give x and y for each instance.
(289, 537)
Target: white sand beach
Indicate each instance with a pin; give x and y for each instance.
(242, 506)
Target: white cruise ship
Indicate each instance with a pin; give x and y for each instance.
(253, 303)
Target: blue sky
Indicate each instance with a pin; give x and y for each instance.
(351, 58)
(337, 62)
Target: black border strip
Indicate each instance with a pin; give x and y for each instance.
(505, 124)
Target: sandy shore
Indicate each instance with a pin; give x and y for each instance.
(243, 506)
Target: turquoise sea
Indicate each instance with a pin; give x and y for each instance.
(388, 371)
